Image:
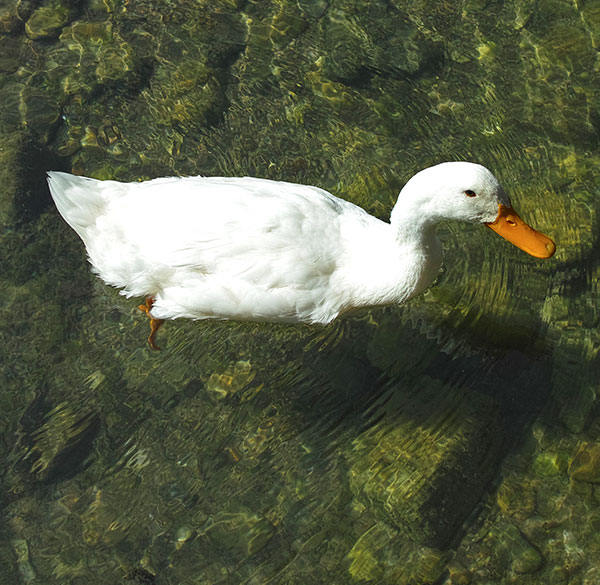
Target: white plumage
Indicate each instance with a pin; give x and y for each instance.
(246, 248)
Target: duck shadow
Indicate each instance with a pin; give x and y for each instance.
(422, 440)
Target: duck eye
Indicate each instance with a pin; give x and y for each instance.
(470, 193)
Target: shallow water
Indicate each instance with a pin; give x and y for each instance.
(455, 439)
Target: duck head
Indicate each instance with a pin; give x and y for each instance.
(467, 192)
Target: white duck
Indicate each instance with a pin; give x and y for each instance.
(245, 248)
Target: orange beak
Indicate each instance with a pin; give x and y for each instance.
(512, 228)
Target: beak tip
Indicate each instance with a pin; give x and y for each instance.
(544, 251)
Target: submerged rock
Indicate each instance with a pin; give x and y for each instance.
(313, 8)
(39, 112)
(528, 560)
(184, 95)
(61, 443)
(10, 53)
(286, 25)
(378, 556)
(548, 464)
(31, 108)
(10, 21)
(377, 40)
(426, 471)
(23, 165)
(591, 17)
(585, 465)
(93, 54)
(459, 574)
(516, 497)
(524, 557)
(26, 570)
(240, 534)
(231, 380)
(47, 21)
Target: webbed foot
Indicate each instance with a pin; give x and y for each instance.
(154, 323)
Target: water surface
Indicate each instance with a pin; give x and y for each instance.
(454, 439)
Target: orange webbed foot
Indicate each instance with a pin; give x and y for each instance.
(154, 323)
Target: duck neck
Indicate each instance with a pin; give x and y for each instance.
(414, 228)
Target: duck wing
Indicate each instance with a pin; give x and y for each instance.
(213, 247)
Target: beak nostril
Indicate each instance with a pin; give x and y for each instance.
(511, 221)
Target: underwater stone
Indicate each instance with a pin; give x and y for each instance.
(313, 8)
(183, 534)
(10, 54)
(114, 62)
(93, 54)
(558, 576)
(9, 19)
(524, 10)
(555, 12)
(569, 46)
(90, 139)
(47, 21)
(10, 149)
(241, 533)
(524, 557)
(585, 465)
(68, 146)
(528, 561)
(286, 26)
(426, 565)
(223, 5)
(516, 497)
(344, 57)
(25, 8)
(459, 574)
(26, 569)
(23, 166)
(10, 115)
(591, 17)
(61, 443)
(95, 33)
(547, 464)
(39, 112)
(9, 569)
(380, 556)
(108, 135)
(231, 380)
(184, 95)
(374, 41)
(591, 577)
(575, 413)
(363, 566)
(29, 107)
(425, 471)
(13, 13)
(573, 387)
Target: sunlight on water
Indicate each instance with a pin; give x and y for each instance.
(454, 439)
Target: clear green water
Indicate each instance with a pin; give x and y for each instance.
(455, 439)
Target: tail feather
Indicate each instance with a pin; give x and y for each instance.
(78, 199)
